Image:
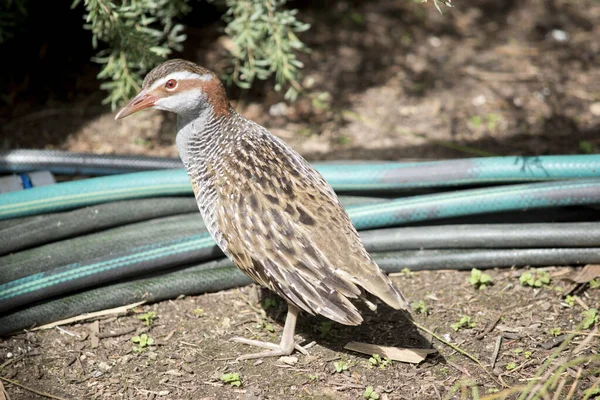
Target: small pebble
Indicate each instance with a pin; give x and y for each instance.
(289, 360)
(559, 35)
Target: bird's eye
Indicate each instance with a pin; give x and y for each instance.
(171, 84)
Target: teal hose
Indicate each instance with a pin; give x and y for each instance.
(221, 275)
(343, 177)
(369, 216)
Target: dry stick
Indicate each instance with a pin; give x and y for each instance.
(559, 389)
(461, 351)
(50, 396)
(489, 328)
(496, 351)
(574, 386)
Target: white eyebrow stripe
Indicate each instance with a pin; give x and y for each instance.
(178, 76)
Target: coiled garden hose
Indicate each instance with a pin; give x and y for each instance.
(343, 177)
(220, 275)
(146, 247)
(40, 285)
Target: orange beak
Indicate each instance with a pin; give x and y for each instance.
(139, 102)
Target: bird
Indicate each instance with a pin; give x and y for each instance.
(267, 208)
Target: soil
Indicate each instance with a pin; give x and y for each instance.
(385, 80)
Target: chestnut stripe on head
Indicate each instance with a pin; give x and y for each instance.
(210, 85)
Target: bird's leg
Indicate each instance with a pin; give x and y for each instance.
(284, 348)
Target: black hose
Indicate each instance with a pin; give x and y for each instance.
(221, 275)
(577, 234)
(104, 245)
(42, 229)
(63, 162)
(160, 244)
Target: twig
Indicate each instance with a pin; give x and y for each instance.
(489, 328)
(559, 389)
(116, 333)
(585, 341)
(50, 396)
(574, 385)
(461, 351)
(66, 331)
(82, 317)
(496, 351)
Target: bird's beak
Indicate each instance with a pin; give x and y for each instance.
(139, 102)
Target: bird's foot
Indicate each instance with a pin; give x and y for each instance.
(276, 350)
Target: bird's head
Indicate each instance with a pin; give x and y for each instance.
(181, 87)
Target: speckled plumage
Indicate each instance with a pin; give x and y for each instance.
(271, 212)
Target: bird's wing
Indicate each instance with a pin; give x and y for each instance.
(285, 228)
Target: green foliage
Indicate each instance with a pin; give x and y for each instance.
(464, 322)
(370, 393)
(555, 332)
(326, 329)
(590, 318)
(595, 283)
(199, 312)
(586, 147)
(420, 307)
(510, 366)
(147, 318)
(12, 13)
(266, 326)
(377, 361)
(139, 34)
(407, 272)
(265, 43)
(589, 393)
(233, 379)
(268, 303)
(142, 341)
(535, 278)
(341, 366)
(479, 279)
(570, 300)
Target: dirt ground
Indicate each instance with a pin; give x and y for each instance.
(385, 80)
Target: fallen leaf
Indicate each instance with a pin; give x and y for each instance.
(2, 392)
(413, 356)
(589, 272)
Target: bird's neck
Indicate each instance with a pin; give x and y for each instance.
(198, 133)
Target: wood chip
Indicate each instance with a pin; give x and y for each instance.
(289, 360)
(95, 330)
(413, 356)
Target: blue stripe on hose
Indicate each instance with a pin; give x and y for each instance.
(26, 181)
